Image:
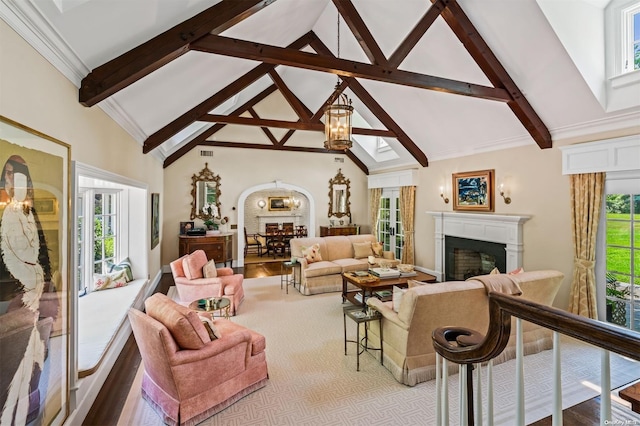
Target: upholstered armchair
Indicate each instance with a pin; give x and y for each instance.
(189, 373)
(192, 284)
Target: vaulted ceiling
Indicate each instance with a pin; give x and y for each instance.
(433, 79)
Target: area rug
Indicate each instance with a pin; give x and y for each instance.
(312, 382)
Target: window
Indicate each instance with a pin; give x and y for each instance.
(623, 259)
(631, 38)
(390, 231)
(82, 287)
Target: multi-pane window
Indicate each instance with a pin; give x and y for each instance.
(82, 287)
(623, 259)
(390, 231)
(631, 38)
(104, 231)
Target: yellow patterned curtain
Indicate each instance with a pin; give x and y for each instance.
(586, 201)
(374, 208)
(407, 213)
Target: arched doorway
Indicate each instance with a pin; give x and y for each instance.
(270, 186)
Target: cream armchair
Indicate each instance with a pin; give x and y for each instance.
(192, 285)
(408, 349)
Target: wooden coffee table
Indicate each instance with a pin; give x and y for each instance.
(368, 285)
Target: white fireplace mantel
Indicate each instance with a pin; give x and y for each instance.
(503, 229)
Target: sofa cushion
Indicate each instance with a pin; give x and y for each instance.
(184, 324)
(209, 270)
(362, 250)
(350, 265)
(258, 342)
(312, 254)
(319, 269)
(338, 247)
(193, 264)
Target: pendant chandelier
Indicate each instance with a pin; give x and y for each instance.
(337, 124)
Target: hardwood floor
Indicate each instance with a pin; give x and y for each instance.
(111, 399)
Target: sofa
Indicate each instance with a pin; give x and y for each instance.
(321, 272)
(192, 370)
(407, 345)
(193, 282)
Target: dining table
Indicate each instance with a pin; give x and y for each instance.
(269, 236)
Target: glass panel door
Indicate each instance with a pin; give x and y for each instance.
(390, 231)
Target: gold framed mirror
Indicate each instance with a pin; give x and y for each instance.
(339, 193)
(205, 194)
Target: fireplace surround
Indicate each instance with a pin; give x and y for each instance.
(502, 229)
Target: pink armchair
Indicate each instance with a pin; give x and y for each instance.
(192, 285)
(189, 377)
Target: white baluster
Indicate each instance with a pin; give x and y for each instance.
(462, 378)
(519, 374)
(490, 393)
(605, 387)
(556, 418)
(477, 408)
(438, 389)
(445, 392)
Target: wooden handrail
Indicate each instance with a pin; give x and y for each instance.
(501, 307)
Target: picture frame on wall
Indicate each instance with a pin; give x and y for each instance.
(279, 204)
(185, 227)
(35, 275)
(155, 219)
(474, 191)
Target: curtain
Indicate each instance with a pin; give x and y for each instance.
(586, 201)
(375, 194)
(407, 213)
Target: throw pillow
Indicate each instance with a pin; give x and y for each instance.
(414, 283)
(397, 297)
(107, 281)
(377, 249)
(494, 271)
(209, 270)
(362, 250)
(124, 265)
(192, 264)
(517, 271)
(184, 324)
(312, 254)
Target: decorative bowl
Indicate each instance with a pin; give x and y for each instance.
(405, 267)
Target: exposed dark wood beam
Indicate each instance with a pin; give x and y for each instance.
(466, 32)
(345, 68)
(142, 60)
(359, 29)
(416, 34)
(217, 127)
(331, 99)
(376, 109)
(301, 110)
(265, 130)
(222, 95)
(294, 125)
(357, 162)
(268, 147)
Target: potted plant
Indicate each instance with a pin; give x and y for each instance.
(214, 224)
(616, 305)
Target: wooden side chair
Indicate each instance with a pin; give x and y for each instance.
(251, 240)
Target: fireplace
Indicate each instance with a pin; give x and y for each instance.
(465, 258)
(505, 230)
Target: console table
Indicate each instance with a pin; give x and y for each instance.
(326, 231)
(218, 247)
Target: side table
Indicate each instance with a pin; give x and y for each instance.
(359, 316)
(290, 273)
(212, 304)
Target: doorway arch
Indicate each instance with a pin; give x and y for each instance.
(266, 186)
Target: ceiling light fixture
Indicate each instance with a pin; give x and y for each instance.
(337, 124)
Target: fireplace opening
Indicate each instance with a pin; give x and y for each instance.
(465, 258)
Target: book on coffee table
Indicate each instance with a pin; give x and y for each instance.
(385, 272)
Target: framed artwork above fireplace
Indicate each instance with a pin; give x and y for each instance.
(474, 191)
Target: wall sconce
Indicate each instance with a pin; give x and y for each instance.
(262, 203)
(507, 200)
(296, 203)
(446, 199)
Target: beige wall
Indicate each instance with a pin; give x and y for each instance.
(241, 169)
(35, 94)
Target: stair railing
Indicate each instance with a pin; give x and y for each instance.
(468, 347)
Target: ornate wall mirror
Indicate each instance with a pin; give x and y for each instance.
(205, 193)
(339, 192)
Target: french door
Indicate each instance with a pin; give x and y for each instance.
(390, 230)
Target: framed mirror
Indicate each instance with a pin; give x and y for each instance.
(205, 194)
(339, 192)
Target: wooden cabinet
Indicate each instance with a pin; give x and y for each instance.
(326, 231)
(218, 247)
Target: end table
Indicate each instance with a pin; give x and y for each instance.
(359, 316)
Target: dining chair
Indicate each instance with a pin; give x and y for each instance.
(277, 243)
(251, 240)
